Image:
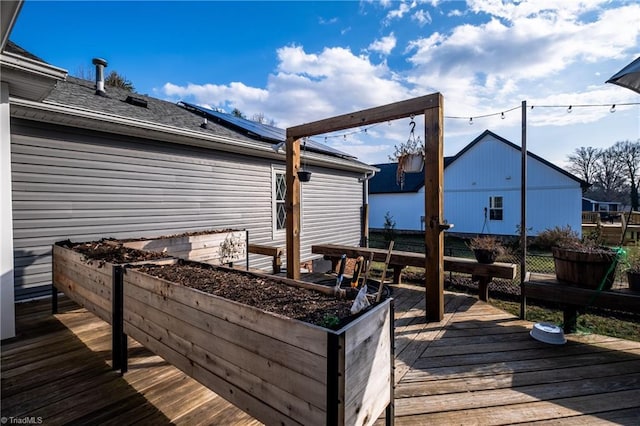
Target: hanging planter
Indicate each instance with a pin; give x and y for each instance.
(412, 163)
(304, 175)
(409, 155)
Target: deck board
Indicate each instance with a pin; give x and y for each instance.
(477, 366)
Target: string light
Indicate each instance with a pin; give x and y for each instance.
(502, 114)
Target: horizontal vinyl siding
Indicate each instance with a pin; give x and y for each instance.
(69, 185)
(331, 209)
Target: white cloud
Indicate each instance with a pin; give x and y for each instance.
(384, 45)
(422, 17)
(547, 52)
(402, 9)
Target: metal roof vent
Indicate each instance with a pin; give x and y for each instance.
(100, 66)
(136, 101)
(204, 124)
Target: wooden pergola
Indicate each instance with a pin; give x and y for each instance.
(432, 108)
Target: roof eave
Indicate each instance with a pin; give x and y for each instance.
(28, 78)
(54, 113)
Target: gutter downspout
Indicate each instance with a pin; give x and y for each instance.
(364, 234)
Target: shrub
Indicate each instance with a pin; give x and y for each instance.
(389, 232)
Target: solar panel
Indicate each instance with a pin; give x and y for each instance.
(263, 131)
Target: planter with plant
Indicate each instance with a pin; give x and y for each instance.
(583, 262)
(409, 155)
(486, 248)
(632, 267)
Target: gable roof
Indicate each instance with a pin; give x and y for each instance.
(384, 182)
(486, 133)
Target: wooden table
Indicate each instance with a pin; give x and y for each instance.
(483, 273)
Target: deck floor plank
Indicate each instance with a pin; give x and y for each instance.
(477, 366)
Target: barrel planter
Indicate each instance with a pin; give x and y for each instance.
(215, 247)
(585, 269)
(277, 369)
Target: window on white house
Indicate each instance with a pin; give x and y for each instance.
(495, 208)
(279, 195)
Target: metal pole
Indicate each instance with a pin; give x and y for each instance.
(523, 208)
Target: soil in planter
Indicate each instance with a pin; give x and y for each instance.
(112, 251)
(264, 293)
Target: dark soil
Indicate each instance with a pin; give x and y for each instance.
(264, 293)
(111, 251)
(267, 294)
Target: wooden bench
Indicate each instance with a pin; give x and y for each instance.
(546, 287)
(274, 252)
(480, 272)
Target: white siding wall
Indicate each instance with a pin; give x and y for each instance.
(405, 209)
(86, 186)
(491, 168)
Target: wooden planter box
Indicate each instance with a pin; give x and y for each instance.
(97, 286)
(89, 283)
(279, 370)
(214, 247)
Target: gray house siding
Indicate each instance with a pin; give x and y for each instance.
(331, 210)
(82, 185)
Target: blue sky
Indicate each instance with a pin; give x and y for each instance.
(301, 61)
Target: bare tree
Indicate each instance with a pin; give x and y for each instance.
(260, 118)
(628, 157)
(609, 178)
(583, 163)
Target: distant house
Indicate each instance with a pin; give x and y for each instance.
(589, 205)
(85, 166)
(482, 192)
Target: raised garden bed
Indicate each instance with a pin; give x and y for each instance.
(272, 354)
(279, 369)
(84, 271)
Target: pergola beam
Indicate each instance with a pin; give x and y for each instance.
(366, 117)
(432, 108)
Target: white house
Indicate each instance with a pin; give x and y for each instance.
(482, 186)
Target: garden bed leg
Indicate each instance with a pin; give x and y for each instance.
(390, 410)
(117, 319)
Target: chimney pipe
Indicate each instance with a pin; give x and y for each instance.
(100, 66)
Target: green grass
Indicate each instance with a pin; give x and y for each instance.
(608, 323)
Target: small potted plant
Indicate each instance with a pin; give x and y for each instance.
(583, 262)
(486, 248)
(632, 267)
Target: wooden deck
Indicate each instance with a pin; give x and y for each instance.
(477, 366)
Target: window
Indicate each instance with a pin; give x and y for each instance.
(495, 208)
(279, 194)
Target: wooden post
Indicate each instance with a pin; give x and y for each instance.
(523, 206)
(433, 206)
(292, 205)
